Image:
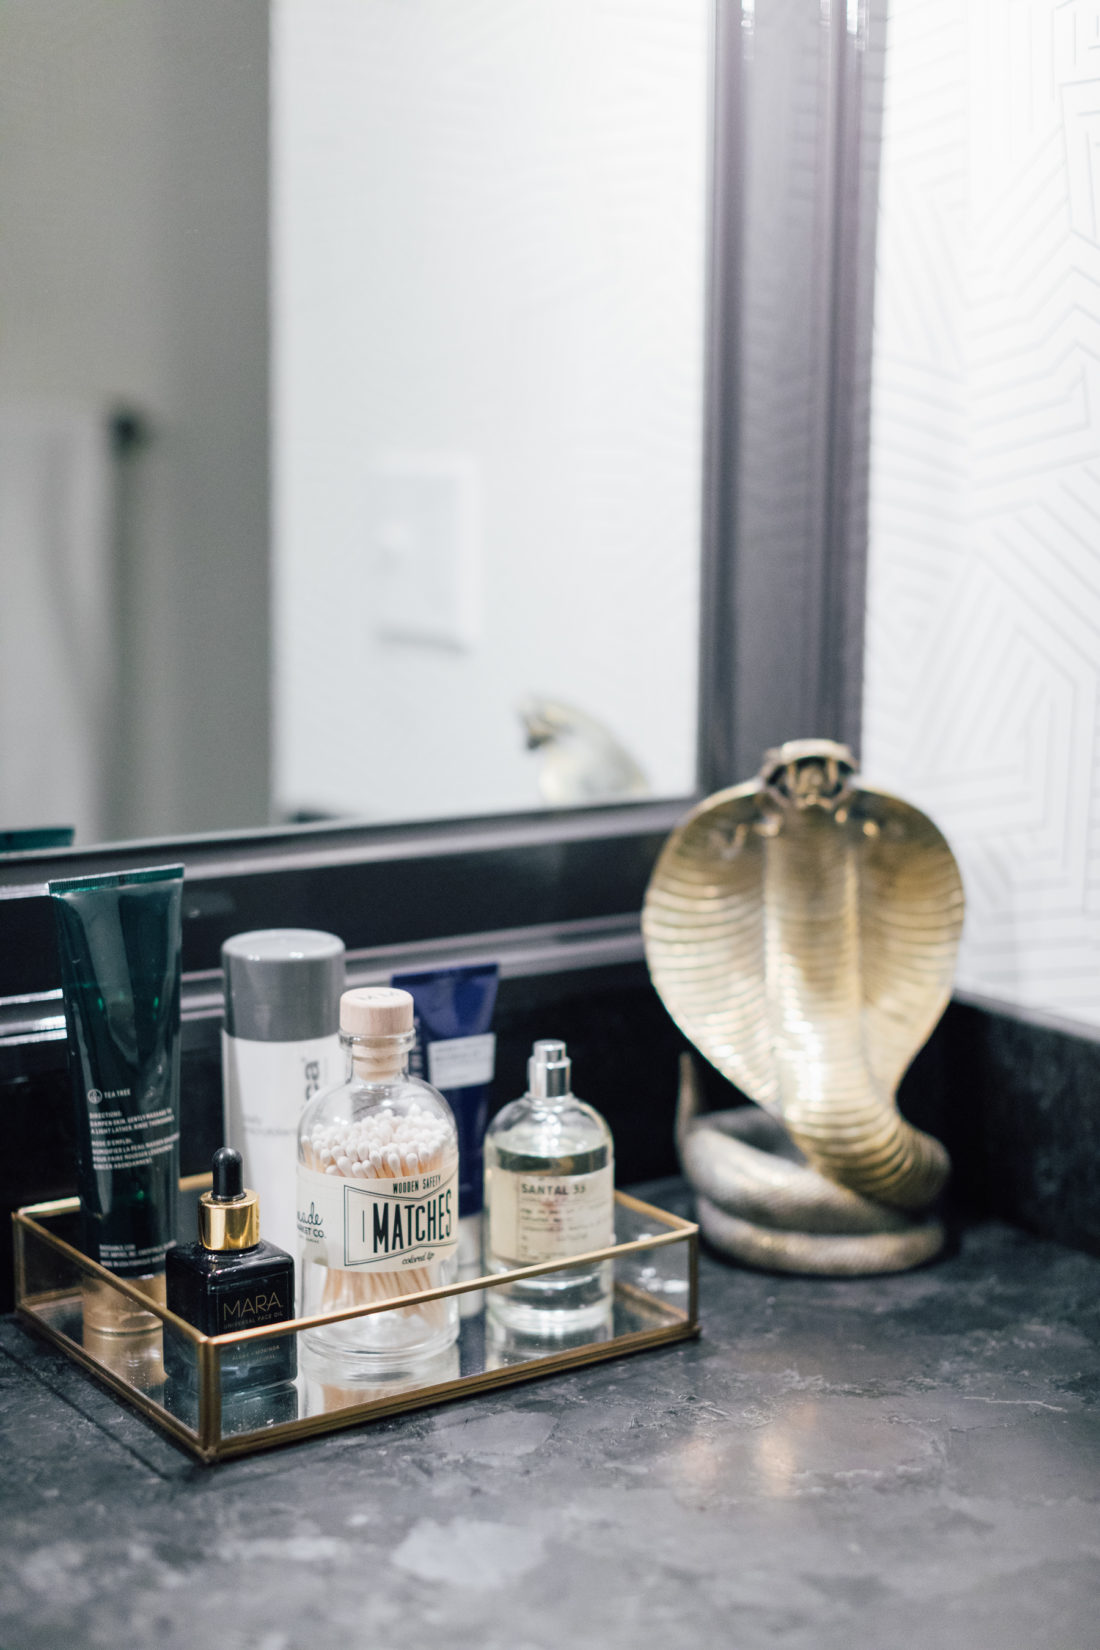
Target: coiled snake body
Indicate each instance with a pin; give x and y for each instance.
(802, 931)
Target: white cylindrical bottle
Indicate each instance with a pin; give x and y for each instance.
(378, 1200)
(280, 1047)
(549, 1194)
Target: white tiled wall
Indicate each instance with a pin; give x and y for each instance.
(983, 635)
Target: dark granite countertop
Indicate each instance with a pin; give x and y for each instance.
(832, 1466)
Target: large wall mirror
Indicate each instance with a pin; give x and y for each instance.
(351, 408)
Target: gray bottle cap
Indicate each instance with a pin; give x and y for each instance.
(548, 1071)
(283, 985)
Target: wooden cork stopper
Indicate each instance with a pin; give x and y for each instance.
(376, 1011)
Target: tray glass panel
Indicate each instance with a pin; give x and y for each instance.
(213, 1394)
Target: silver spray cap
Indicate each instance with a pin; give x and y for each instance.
(549, 1071)
(283, 985)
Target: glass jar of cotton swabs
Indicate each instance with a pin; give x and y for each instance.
(377, 1200)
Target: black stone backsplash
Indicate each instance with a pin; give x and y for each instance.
(1017, 1106)
(624, 1047)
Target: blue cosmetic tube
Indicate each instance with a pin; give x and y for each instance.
(456, 1051)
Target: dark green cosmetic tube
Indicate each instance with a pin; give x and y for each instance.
(119, 939)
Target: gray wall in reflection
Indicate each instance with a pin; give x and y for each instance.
(133, 187)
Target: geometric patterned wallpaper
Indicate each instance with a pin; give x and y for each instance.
(982, 666)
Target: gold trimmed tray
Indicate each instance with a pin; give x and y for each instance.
(655, 1301)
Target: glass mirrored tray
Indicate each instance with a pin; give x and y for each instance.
(190, 1384)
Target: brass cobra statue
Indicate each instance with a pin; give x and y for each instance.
(801, 930)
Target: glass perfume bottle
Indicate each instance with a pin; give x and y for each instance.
(549, 1193)
(232, 1279)
(378, 1199)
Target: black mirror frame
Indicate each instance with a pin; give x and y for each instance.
(780, 638)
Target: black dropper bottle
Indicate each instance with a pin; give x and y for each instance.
(231, 1279)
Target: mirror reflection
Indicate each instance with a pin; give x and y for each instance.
(351, 384)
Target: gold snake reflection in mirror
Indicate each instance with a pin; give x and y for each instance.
(802, 930)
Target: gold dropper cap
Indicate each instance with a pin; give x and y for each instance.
(229, 1214)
